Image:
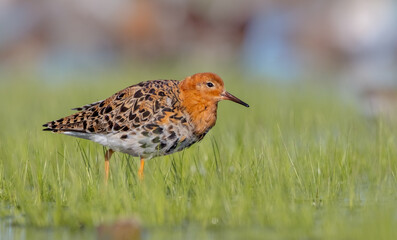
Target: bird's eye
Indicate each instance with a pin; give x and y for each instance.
(210, 84)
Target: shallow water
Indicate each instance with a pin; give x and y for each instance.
(8, 231)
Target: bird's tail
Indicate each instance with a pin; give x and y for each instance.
(73, 123)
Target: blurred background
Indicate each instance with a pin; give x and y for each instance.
(351, 44)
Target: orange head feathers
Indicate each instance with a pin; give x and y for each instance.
(208, 87)
(200, 94)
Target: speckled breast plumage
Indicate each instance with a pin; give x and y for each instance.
(144, 120)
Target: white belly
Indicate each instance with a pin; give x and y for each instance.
(147, 146)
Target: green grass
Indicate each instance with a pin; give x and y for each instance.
(296, 165)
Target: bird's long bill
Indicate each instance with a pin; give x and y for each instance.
(228, 96)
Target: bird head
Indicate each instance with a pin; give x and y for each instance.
(209, 87)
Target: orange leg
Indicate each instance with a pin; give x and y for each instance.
(108, 155)
(140, 172)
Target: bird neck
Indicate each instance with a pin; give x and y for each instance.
(202, 111)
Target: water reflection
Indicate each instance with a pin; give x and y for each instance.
(8, 231)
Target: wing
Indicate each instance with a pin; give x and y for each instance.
(85, 107)
(135, 106)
